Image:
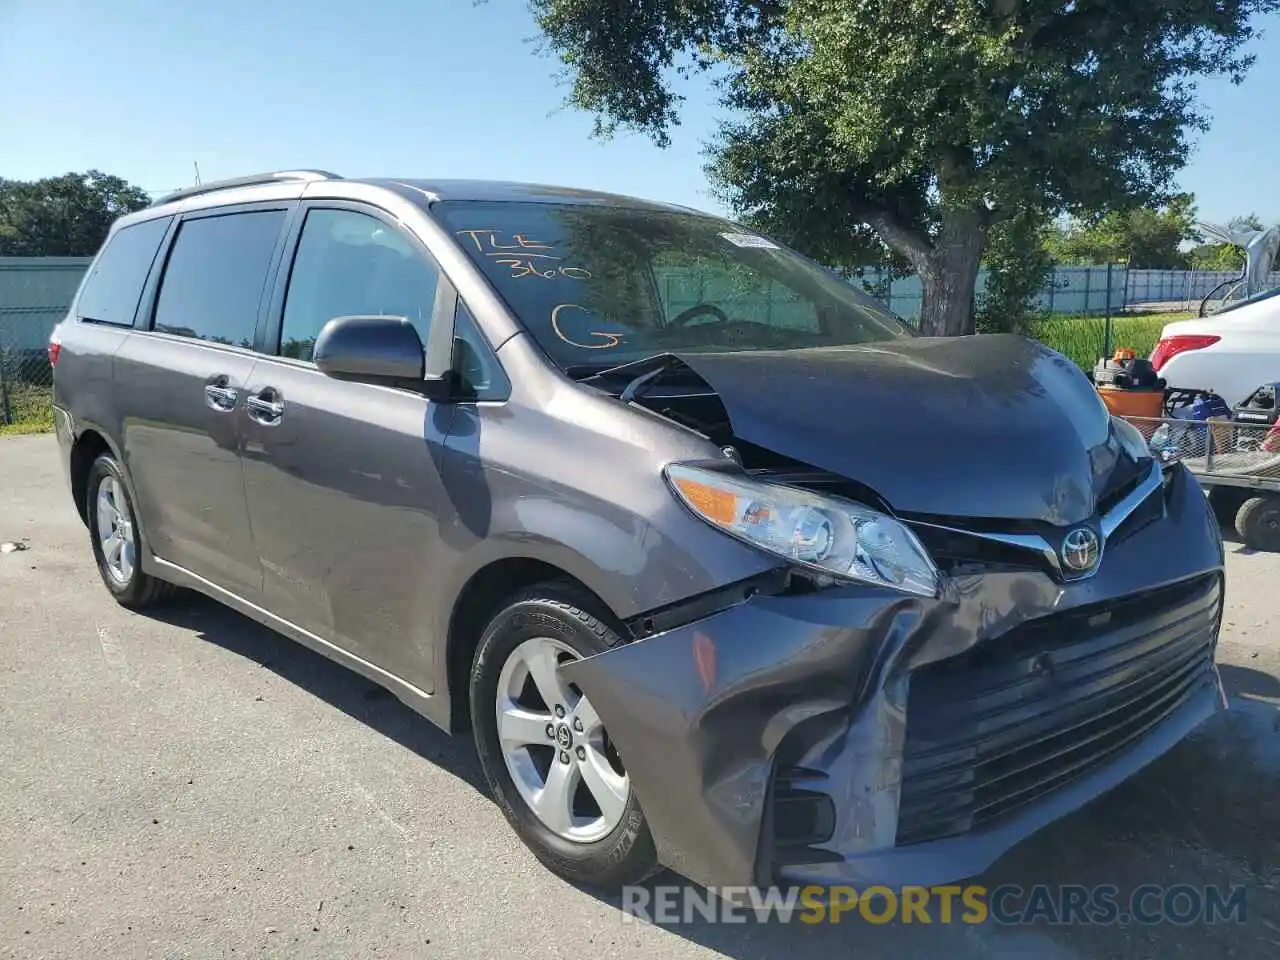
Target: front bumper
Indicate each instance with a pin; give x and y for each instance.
(856, 735)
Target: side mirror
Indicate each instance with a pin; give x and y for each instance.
(381, 350)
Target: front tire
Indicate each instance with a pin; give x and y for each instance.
(116, 538)
(549, 761)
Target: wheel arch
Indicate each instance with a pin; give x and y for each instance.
(90, 444)
(475, 605)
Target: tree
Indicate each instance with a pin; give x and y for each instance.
(1145, 238)
(1019, 264)
(929, 122)
(66, 216)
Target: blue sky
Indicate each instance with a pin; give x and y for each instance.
(144, 89)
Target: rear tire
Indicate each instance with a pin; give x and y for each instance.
(117, 539)
(1258, 523)
(599, 837)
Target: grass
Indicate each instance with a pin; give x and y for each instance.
(31, 408)
(1082, 338)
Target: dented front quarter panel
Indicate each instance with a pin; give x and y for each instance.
(700, 713)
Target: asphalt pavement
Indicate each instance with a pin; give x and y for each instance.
(189, 784)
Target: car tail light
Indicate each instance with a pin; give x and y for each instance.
(1170, 347)
(55, 348)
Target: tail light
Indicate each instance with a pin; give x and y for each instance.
(1170, 347)
(55, 348)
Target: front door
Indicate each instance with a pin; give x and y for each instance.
(181, 384)
(342, 479)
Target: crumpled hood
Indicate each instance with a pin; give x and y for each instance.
(994, 426)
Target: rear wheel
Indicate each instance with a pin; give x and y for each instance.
(549, 760)
(116, 539)
(1258, 523)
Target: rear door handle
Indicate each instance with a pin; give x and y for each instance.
(218, 396)
(265, 406)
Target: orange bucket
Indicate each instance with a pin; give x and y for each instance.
(1147, 405)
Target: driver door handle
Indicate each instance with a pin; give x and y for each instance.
(265, 407)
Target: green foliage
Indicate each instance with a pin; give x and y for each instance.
(66, 216)
(1082, 338)
(927, 122)
(1216, 256)
(30, 408)
(1018, 267)
(1249, 221)
(1144, 238)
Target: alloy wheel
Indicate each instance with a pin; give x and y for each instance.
(115, 531)
(555, 747)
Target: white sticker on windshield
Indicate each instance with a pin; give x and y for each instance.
(749, 240)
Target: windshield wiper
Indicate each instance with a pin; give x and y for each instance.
(597, 371)
(639, 375)
(632, 389)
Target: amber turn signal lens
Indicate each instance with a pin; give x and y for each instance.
(718, 506)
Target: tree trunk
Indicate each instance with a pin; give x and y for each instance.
(947, 265)
(949, 274)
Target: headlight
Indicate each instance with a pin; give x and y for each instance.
(838, 537)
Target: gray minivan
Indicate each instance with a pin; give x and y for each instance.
(722, 566)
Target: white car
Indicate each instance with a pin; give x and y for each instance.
(1230, 353)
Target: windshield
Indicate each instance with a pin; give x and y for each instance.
(601, 285)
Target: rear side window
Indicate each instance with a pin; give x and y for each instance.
(112, 290)
(217, 270)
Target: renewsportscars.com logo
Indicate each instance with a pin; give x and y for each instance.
(1009, 904)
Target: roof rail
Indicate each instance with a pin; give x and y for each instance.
(279, 176)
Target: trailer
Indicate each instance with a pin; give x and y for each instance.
(1237, 464)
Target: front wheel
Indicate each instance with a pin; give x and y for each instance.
(553, 769)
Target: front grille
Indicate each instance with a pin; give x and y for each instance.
(1025, 713)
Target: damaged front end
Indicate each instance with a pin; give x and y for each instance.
(855, 734)
(800, 728)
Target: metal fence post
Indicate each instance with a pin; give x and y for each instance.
(1107, 334)
(6, 411)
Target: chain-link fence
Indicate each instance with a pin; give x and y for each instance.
(26, 382)
(34, 295)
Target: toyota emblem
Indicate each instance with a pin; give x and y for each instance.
(564, 736)
(1081, 549)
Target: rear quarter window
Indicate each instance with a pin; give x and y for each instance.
(114, 286)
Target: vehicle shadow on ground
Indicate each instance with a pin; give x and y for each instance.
(360, 699)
